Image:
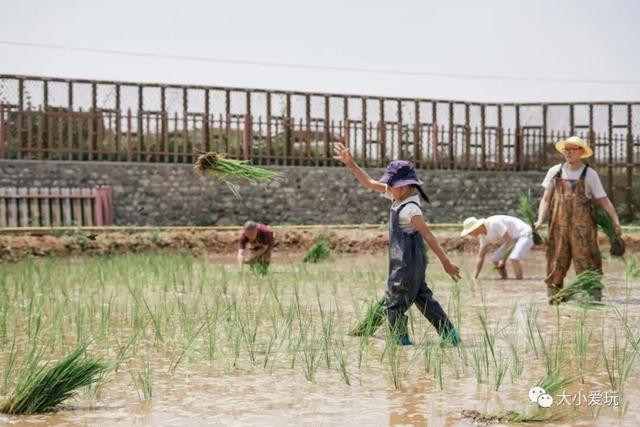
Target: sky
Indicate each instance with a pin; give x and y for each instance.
(470, 50)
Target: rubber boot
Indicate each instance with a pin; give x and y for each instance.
(451, 337)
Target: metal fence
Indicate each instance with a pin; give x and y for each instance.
(72, 119)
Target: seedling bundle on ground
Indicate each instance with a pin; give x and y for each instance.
(41, 389)
(320, 250)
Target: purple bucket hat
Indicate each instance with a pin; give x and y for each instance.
(399, 173)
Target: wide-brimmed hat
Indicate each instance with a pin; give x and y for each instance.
(399, 173)
(470, 224)
(575, 140)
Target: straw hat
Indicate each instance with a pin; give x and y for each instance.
(575, 140)
(471, 224)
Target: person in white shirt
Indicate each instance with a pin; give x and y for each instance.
(507, 231)
(572, 190)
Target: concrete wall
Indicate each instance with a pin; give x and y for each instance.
(168, 194)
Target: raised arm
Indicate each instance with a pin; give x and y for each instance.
(342, 153)
(451, 269)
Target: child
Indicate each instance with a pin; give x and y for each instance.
(503, 229)
(262, 240)
(407, 256)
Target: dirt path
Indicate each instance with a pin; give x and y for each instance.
(289, 239)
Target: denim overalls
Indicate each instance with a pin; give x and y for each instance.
(406, 284)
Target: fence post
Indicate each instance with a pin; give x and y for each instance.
(108, 216)
(630, 165)
(434, 143)
(519, 141)
(129, 135)
(346, 132)
(97, 207)
(246, 137)
(2, 137)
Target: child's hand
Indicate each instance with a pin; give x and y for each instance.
(452, 270)
(342, 153)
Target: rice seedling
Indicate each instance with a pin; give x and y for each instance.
(517, 364)
(532, 325)
(633, 270)
(371, 321)
(586, 287)
(8, 368)
(226, 170)
(392, 349)
(526, 212)
(478, 362)
(554, 382)
(488, 338)
(320, 250)
(188, 345)
(310, 354)
(581, 344)
(143, 382)
(341, 355)
(125, 349)
(605, 224)
(41, 389)
(619, 363)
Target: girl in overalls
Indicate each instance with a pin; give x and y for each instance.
(406, 284)
(570, 191)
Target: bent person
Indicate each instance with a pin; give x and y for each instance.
(505, 230)
(262, 241)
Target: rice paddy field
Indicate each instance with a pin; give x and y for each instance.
(195, 340)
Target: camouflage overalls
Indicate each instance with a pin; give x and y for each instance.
(572, 230)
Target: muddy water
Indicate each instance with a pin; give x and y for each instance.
(201, 392)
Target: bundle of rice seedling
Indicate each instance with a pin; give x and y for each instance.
(320, 250)
(606, 226)
(526, 211)
(259, 268)
(554, 383)
(42, 389)
(372, 320)
(225, 169)
(586, 286)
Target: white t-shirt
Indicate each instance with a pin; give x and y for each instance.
(498, 225)
(408, 212)
(592, 184)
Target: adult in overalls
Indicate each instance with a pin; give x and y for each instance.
(571, 190)
(406, 283)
